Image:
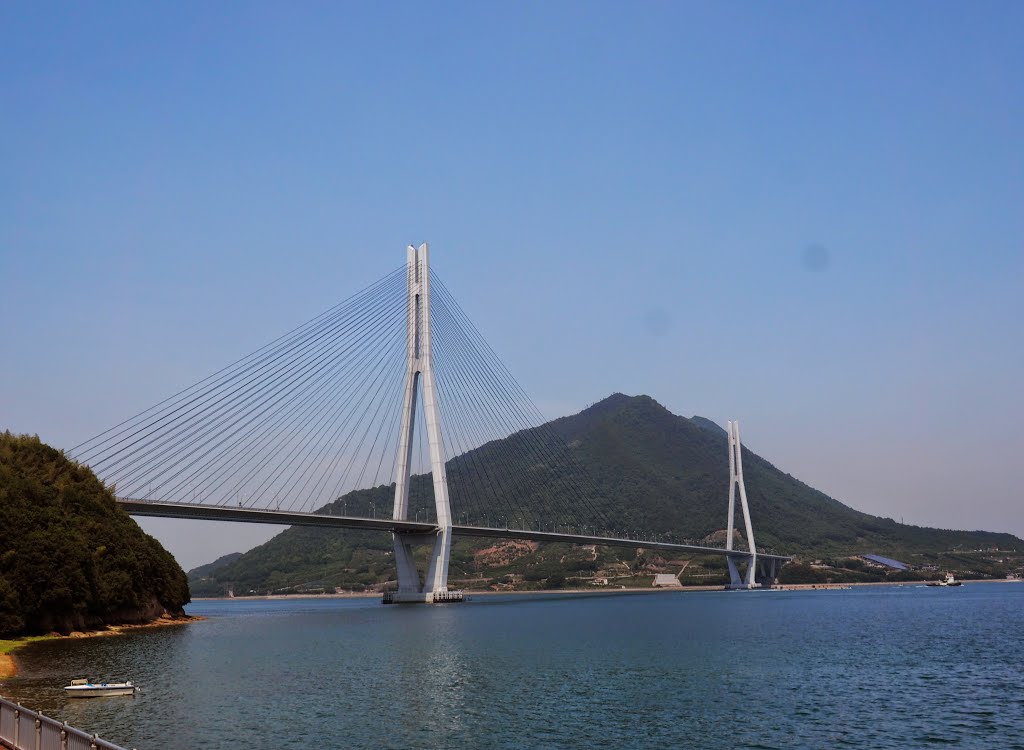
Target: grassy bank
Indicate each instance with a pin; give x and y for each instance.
(7, 666)
(7, 646)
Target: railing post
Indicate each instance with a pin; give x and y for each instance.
(45, 729)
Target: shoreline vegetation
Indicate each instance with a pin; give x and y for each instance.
(9, 666)
(73, 560)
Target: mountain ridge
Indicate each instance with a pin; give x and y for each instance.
(650, 468)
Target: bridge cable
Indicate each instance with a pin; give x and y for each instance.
(281, 390)
(215, 403)
(227, 374)
(285, 386)
(508, 388)
(74, 451)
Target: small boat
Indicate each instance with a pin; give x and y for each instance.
(86, 689)
(949, 581)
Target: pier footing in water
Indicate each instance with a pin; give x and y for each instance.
(419, 597)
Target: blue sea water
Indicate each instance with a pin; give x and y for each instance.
(872, 667)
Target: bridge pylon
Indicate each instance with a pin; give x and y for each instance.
(419, 377)
(748, 580)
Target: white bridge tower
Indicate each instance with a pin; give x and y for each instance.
(746, 581)
(419, 377)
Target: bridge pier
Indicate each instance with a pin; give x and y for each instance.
(746, 580)
(419, 375)
(411, 588)
(749, 579)
(769, 570)
(760, 572)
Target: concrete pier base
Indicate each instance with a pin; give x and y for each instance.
(421, 597)
(760, 573)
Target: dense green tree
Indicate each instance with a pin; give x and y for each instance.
(802, 573)
(70, 558)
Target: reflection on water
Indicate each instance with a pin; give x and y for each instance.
(880, 668)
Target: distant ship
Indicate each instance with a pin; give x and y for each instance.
(949, 581)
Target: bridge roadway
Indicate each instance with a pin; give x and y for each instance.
(161, 509)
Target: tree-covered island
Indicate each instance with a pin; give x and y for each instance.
(70, 558)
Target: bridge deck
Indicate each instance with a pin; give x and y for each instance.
(159, 509)
(556, 536)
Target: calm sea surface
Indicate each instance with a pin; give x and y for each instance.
(878, 667)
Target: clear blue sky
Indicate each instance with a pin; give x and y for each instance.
(807, 216)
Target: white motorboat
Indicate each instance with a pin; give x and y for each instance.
(87, 689)
(949, 581)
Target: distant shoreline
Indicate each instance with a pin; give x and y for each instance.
(603, 590)
(471, 592)
(826, 586)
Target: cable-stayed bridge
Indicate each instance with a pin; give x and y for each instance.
(387, 412)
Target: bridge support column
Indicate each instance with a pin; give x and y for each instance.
(419, 375)
(760, 572)
(748, 579)
(768, 571)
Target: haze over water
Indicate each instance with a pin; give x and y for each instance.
(871, 667)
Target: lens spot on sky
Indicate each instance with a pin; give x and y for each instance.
(657, 321)
(816, 258)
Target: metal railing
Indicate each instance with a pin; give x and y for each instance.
(24, 729)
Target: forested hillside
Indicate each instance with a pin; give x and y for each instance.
(70, 558)
(646, 469)
(671, 473)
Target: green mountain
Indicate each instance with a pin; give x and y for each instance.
(204, 571)
(647, 469)
(70, 558)
(673, 472)
(201, 580)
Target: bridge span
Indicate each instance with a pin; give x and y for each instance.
(353, 400)
(197, 511)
